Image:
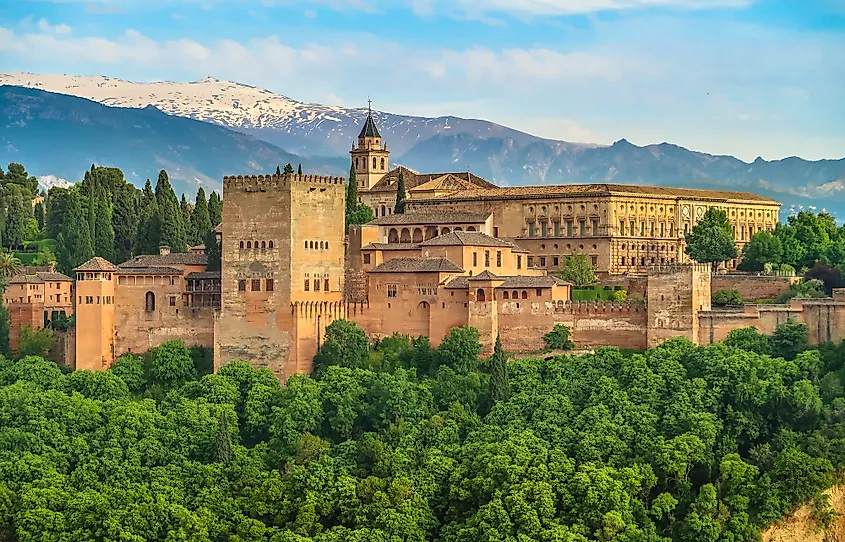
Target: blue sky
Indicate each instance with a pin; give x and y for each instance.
(743, 77)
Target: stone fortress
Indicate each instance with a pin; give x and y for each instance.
(465, 252)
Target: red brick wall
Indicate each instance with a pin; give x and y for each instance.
(752, 287)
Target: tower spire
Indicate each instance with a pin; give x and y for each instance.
(369, 107)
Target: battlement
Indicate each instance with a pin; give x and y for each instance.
(673, 268)
(263, 183)
(598, 307)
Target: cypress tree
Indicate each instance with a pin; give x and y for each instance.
(3, 215)
(15, 221)
(288, 169)
(215, 209)
(186, 215)
(39, 215)
(200, 220)
(299, 170)
(500, 389)
(57, 201)
(170, 215)
(73, 246)
(351, 193)
(400, 195)
(5, 348)
(124, 222)
(213, 251)
(223, 441)
(278, 170)
(148, 235)
(104, 231)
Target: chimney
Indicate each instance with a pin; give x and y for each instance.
(164, 250)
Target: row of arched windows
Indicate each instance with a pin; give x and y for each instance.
(317, 245)
(255, 245)
(375, 163)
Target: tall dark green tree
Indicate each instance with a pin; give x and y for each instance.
(500, 389)
(57, 201)
(351, 193)
(124, 221)
(200, 220)
(16, 217)
(185, 208)
(215, 209)
(5, 348)
(73, 246)
(173, 232)
(400, 195)
(299, 170)
(212, 251)
(711, 240)
(103, 231)
(148, 235)
(223, 440)
(288, 169)
(278, 170)
(17, 174)
(39, 215)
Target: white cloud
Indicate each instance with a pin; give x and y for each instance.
(47, 28)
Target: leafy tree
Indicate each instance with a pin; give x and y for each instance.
(73, 246)
(16, 217)
(813, 234)
(558, 338)
(459, 349)
(711, 240)
(361, 215)
(726, 297)
(278, 170)
(499, 386)
(750, 340)
(124, 221)
(130, 369)
(213, 251)
(792, 250)
(578, 270)
(173, 233)
(223, 440)
(345, 344)
(830, 276)
(400, 194)
(16, 174)
(200, 220)
(57, 202)
(789, 339)
(171, 365)
(215, 209)
(764, 247)
(148, 236)
(288, 169)
(5, 349)
(299, 170)
(104, 240)
(39, 215)
(33, 342)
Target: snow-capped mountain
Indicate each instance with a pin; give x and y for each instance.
(305, 129)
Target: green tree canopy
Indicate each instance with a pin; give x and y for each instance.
(578, 270)
(789, 339)
(764, 247)
(215, 209)
(17, 215)
(711, 240)
(73, 246)
(200, 219)
(500, 389)
(172, 223)
(399, 208)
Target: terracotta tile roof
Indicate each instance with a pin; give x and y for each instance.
(413, 179)
(97, 264)
(446, 217)
(466, 238)
(603, 190)
(485, 275)
(26, 279)
(544, 281)
(418, 265)
(53, 276)
(166, 260)
(444, 182)
(204, 275)
(149, 271)
(391, 246)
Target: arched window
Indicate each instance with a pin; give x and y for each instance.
(524, 294)
(255, 246)
(241, 245)
(150, 302)
(471, 228)
(312, 244)
(406, 236)
(306, 244)
(382, 210)
(505, 295)
(327, 245)
(356, 162)
(515, 295)
(263, 244)
(480, 295)
(418, 235)
(393, 236)
(444, 231)
(249, 244)
(374, 162)
(321, 245)
(270, 244)
(382, 164)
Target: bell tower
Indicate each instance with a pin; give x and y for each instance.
(370, 157)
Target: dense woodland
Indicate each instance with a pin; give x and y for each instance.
(398, 441)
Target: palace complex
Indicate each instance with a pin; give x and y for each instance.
(464, 252)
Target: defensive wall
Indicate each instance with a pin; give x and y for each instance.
(754, 287)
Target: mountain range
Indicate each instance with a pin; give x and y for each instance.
(251, 130)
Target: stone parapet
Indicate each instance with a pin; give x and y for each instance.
(262, 183)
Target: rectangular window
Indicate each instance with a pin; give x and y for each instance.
(555, 261)
(544, 229)
(325, 285)
(269, 285)
(242, 286)
(633, 230)
(623, 260)
(307, 285)
(594, 259)
(172, 301)
(595, 226)
(662, 229)
(392, 290)
(256, 285)
(538, 291)
(475, 259)
(80, 300)
(530, 229)
(316, 285)
(542, 261)
(582, 228)
(98, 300)
(569, 228)
(498, 258)
(621, 227)
(495, 231)
(89, 299)
(671, 230)
(651, 229)
(486, 258)
(366, 258)
(642, 229)
(686, 229)
(519, 262)
(556, 228)
(531, 261)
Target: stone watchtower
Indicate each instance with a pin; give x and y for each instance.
(370, 157)
(676, 294)
(282, 258)
(95, 281)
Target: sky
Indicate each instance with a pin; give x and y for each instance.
(743, 77)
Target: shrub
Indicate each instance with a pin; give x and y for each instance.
(726, 297)
(620, 295)
(558, 338)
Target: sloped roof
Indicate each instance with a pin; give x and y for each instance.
(413, 179)
(418, 265)
(369, 129)
(603, 189)
(446, 217)
(448, 181)
(166, 260)
(149, 271)
(485, 275)
(26, 279)
(97, 264)
(391, 246)
(53, 276)
(204, 275)
(466, 238)
(544, 281)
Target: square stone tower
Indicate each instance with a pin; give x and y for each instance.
(676, 294)
(95, 281)
(371, 157)
(282, 249)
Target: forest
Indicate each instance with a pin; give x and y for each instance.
(400, 441)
